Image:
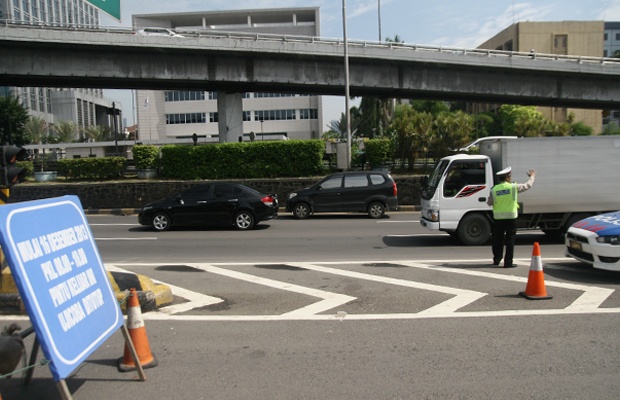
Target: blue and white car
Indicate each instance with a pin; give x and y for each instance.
(596, 241)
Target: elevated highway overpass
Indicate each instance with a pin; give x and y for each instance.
(239, 62)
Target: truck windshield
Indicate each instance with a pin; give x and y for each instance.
(434, 179)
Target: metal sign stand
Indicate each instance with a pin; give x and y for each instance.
(62, 384)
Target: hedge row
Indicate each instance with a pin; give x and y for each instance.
(290, 158)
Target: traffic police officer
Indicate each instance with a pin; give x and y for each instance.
(503, 198)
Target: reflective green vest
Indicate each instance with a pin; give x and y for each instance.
(505, 204)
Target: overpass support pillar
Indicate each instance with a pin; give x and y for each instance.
(230, 116)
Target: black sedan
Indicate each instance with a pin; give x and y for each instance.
(217, 203)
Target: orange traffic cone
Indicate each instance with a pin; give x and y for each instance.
(535, 289)
(137, 332)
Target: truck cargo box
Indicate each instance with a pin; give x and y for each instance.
(573, 174)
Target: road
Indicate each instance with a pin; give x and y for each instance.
(345, 307)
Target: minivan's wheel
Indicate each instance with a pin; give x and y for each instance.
(376, 210)
(474, 230)
(301, 211)
(244, 220)
(161, 222)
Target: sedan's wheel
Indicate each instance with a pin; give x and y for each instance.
(376, 210)
(244, 221)
(161, 222)
(301, 211)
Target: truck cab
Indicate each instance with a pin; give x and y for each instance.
(454, 199)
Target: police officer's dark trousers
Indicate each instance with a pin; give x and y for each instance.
(504, 232)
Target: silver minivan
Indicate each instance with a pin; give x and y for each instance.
(157, 32)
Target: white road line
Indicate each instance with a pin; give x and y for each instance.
(329, 300)
(194, 299)
(114, 224)
(123, 239)
(592, 297)
(461, 299)
(588, 303)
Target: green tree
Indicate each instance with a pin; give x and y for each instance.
(452, 131)
(412, 133)
(430, 106)
(523, 121)
(65, 131)
(13, 119)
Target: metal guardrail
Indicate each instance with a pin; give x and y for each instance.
(238, 35)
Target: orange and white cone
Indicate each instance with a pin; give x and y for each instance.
(535, 289)
(137, 332)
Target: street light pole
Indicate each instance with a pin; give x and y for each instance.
(346, 82)
(115, 128)
(379, 17)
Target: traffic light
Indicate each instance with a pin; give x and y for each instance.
(10, 174)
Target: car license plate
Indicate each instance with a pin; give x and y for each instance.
(574, 245)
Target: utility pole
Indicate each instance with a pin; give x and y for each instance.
(346, 82)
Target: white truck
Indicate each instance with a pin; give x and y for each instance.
(576, 177)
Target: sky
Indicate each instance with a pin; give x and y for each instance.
(451, 23)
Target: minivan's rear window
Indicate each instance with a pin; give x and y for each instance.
(377, 179)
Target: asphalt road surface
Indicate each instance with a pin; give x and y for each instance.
(346, 307)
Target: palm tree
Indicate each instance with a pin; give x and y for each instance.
(97, 133)
(36, 130)
(66, 131)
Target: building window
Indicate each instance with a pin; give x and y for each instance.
(247, 116)
(212, 95)
(184, 95)
(33, 99)
(560, 44)
(213, 117)
(48, 100)
(272, 95)
(189, 118)
(274, 115)
(309, 113)
(41, 98)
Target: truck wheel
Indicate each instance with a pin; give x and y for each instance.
(474, 230)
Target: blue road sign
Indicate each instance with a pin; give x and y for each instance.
(111, 7)
(60, 276)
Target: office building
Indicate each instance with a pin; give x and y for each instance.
(165, 116)
(85, 107)
(582, 38)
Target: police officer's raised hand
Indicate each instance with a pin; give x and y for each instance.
(531, 172)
